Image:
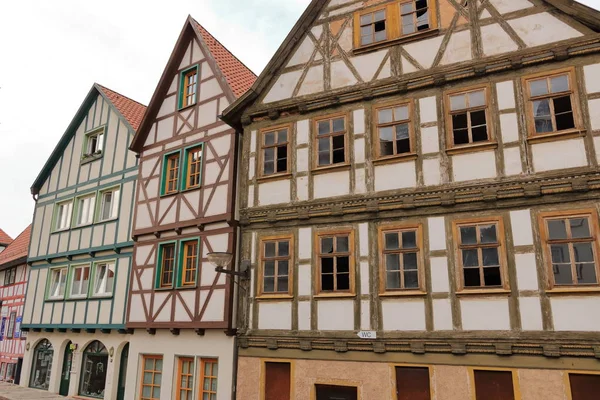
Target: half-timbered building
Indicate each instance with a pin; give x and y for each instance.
(81, 253)
(419, 204)
(180, 308)
(14, 272)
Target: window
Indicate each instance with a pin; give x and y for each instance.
(58, 282)
(401, 259)
(193, 173)
(62, 217)
(468, 119)
(185, 379)
(10, 329)
(412, 383)
(373, 27)
(94, 143)
(394, 130)
(189, 87)
(331, 141)
(151, 377)
(275, 151)
(10, 276)
(481, 254)
(42, 365)
(551, 104)
(335, 262)
(189, 264)
(166, 266)
(94, 368)
(399, 20)
(80, 279)
(331, 392)
(497, 385)
(584, 386)
(104, 278)
(85, 210)
(208, 379)
(109, 204)
(571, 248)
(171, 174)
(278, 381)
(276, 260)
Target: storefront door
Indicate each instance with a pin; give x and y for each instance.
(65, 377)
(123, 373)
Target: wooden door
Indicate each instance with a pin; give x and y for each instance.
(584, 387)
(412, 383)
(65, 377)
(277, 381)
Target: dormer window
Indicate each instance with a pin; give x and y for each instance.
(94, 143)
(189, 87)
(373, 27)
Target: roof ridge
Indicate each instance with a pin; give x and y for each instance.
(4, 235)
(120, 94)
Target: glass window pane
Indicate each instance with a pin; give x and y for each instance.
(411, 280)
(541, 108)
(343, 264)
(410, 261)
(580, 228)
(269, 268)
(583, 252)
(459, 121)
(538, 87)
(282, 136)
(562, 104)
(557, 229)
(392, 241)
(492, 276)
(409, 240)
(490, 257)
(472, 277)
(488, 234)
(392, 262)
(402, 131)
(468, 235)
(338, 142)
(386, 133)
(366, 19)
(338, 125)
(327, 282)
(478, 118)
(559, 84)
(324, 145)
(461, 136)
(326, 245)
(470, 258)
(385, 116)
(269, 285)
(270, 249)
(543, 125)
(283, 268)
(284, 248)
(458, 102)
(269, 138)
(477, 99)
(327, 265)
(560, 253)
(380, 33)
(393, 280)
(562, 274)
(586, 274)
(380, 15)
(342, 244)
(343, 282)
(324, 127)
(401, 113)
(480, 134)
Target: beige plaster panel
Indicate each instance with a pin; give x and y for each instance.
(541, 384)
(451, 383)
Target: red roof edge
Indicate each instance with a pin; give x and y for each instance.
(4, 238)
(18, 248)
(133, 111)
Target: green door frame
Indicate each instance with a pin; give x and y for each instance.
(65, 376)
(123, 373)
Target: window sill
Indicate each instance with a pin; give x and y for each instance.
(470, 148)
(92, 158)
(330, 168)
(102, 296)
(554, 136)
(405, 293)
(61, 230)
(334, 296)
(163, 289)
(187, 287)
(574, 290)
(55, 299)
(483, 292)
(395, 159)
(180, 109)
(188, 189)
(163, 195)
(274, 297)
(274, 177)
(391, 42)
(76, 298)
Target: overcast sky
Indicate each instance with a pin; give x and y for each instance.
(51, 52)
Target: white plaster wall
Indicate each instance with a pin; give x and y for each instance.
(594, 107)
(440, 282)
(359, 151)
(597, 148)
(506, 6)
(437, 233)
(368, 64)
(542, 28)
(509, 127)
(302, 53)
(480, 165)
(495, 40)
(431, 172)
(403, 314)
(358, 117)
(485, 314)
(275, 315)
(592, 83)
(341, 75)
(458, 48)
(304, 243)
(304, 315)
(573, 313)
(424, 51)
(522, 230)
(313, 81)
(365, 315)
(331, 184)
(428, 108)
(364, 278)
(395, 176)
(512, 161)
(274, 192)
(430, 142)
(442, 315)
(304, 280)
(335, 315)
(506, 95)
(527, 278)
(559, 155)
(283, 87)
(531, 314)
(302, 131)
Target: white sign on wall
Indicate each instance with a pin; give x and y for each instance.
(367, 334)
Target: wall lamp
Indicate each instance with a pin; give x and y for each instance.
(221, 261)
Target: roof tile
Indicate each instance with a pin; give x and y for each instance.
(239, 77)
(130, 109)
(4, 238)
(18, 248)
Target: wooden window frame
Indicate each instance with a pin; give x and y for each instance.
(154, 373)
(382, 230)
(181, 269)
(70, 280)
(93, 278)
(159, 266)
(115, 202)
(61, 269)
(502, 257)
(10, 325)
(431, 378)
(351, 263)
(547, 256)
(578, 130)
(165, 173)
(567, 380)
(192, 375)
(262, 147)
(69, 219)
(378, 158)
(187, 163)
(515, 379)
(315, 142)
(393, 25)
(291, 267)
(491, 143)
(203, 363)
(183, 87)
(10, 276)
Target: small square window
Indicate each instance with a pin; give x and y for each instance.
(94, 143)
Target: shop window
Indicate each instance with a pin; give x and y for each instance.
(93, 370)
(41, 365)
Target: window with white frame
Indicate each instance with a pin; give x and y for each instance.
(58, 281)
(85, 210)
(63, 215)
(80, 280)
(109, 204)
(104, 278)
(94, 143)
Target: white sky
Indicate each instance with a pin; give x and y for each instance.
(51, 52)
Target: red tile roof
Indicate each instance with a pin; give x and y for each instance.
(18, 248)
(130, 109)
(4, 238)
(239, 77)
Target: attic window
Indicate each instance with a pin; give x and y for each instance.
(188, 89)
(415, 16)
(94, 143)
(373, 27)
